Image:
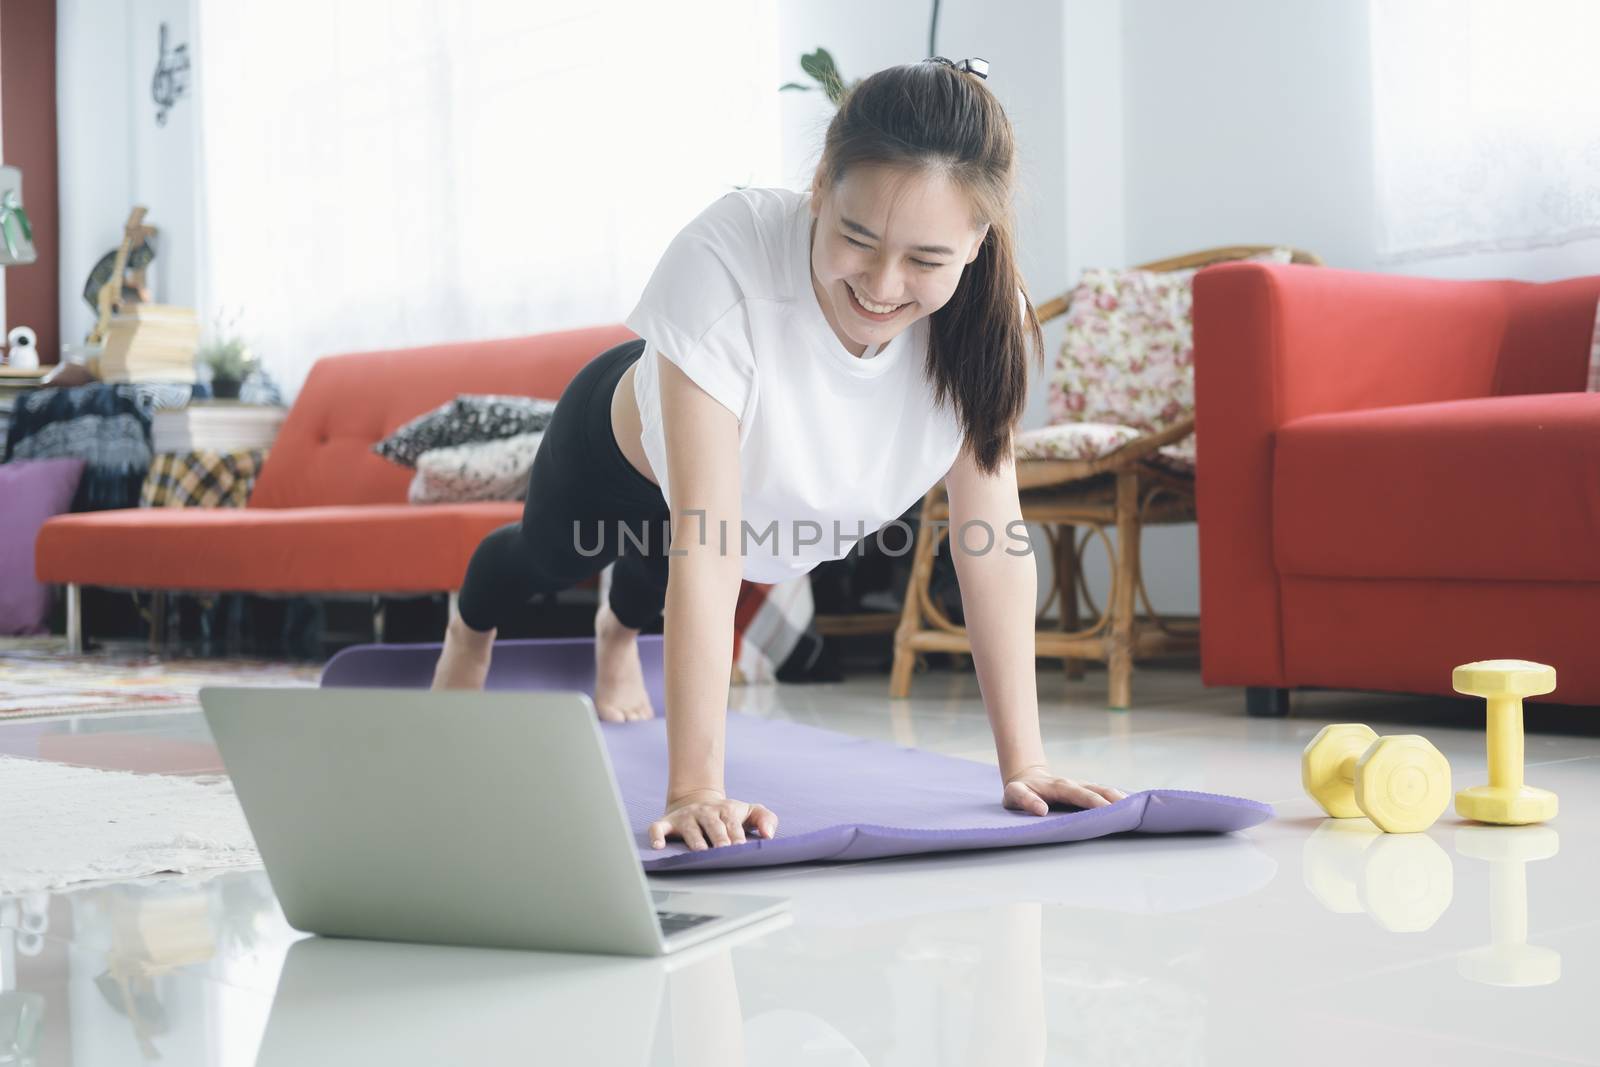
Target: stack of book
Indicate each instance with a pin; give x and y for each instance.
(215, 426)
(150, 343)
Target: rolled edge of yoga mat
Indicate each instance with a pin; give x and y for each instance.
(560, 663)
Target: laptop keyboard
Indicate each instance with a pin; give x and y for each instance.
(676, 922)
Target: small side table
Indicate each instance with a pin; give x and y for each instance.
(205, 480)
(209, 455)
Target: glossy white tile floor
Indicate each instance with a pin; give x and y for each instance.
(1299, 942)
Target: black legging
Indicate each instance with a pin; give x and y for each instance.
(579, 476)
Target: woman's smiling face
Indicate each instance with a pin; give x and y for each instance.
(888, 237)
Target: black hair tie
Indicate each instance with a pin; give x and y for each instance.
(980, 67)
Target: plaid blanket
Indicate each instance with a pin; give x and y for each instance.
(773, 639)
(202, 479)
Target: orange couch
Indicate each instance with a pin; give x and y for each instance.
(1396, 475)
(327, 515)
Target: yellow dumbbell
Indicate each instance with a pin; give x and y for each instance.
(1503, 683)
(1401, 782)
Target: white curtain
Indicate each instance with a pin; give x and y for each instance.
(380, 174)
(1487, 124)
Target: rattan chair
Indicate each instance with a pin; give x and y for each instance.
(1145, 478)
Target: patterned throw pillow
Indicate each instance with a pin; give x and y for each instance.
(1127, 358)
(482, 470)
(465, 420)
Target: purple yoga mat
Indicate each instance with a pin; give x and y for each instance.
(837, 797)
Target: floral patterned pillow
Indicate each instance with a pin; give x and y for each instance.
(1127, 358)
(464, 420)
(482, 470)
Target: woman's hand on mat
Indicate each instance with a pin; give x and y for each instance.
(707, 818)
(1034, 789)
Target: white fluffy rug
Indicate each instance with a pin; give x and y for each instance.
(61, 824)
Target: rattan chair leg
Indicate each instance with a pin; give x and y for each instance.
(1124, 591)
(917, 587)
(1067, 591)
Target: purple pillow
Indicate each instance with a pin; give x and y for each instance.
(31, 491)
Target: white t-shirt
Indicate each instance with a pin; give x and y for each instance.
(831, 446)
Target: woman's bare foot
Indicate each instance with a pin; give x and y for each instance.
(464, 663)
(619, 692)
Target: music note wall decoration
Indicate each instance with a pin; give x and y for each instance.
(171, 81)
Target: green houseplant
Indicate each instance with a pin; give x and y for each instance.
(229, 357)
(825, 73)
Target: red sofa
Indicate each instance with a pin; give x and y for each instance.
(1397, 475)
(327, 515)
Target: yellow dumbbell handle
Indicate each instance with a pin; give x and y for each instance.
(1347, 768)
(1505, 741)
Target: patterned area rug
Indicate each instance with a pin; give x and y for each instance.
(38, 678)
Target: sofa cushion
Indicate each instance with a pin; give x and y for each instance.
(1073, 441)
(463, 421)
(371, 548)
(482, 470)
(1546, 338)
(1502, 488)
(1095, 440)
(33, 491)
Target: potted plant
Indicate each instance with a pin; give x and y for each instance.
(229, 357)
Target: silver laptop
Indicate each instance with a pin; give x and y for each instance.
(456, 817)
